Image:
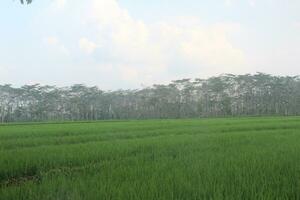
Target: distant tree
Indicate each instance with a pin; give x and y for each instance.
(226, 95)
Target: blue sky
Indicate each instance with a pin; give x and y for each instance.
(129, 44)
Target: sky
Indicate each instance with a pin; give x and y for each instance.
(126, 44)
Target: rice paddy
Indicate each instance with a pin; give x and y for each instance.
(246, 158)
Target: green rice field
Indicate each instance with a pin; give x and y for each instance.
(234, 158)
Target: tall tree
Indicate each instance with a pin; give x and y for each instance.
(226, 95)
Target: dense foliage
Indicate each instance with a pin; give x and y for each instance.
(226, 95)
(232, 158)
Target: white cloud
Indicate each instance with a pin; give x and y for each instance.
(198, 45)
(155, 47)
(140, 51)
(210, 48)
(252, 3)
(129, 74)
(228, 2)
(87, 46)
(297, 24)
(59, 4)
(62, 49)
(53, 42)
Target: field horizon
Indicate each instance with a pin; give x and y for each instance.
(150, 119)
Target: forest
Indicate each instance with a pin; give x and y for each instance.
(226, 95)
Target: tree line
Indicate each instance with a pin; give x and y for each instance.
(226, 95)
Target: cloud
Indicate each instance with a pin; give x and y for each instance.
(252, 3)
(53, 42)
(156, 47)
(129, 74)
(87, 46)
(138, 51)
(59, 4)
(201, 45)
(228, 2)
(297, 24)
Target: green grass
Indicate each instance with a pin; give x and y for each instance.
(247, 158)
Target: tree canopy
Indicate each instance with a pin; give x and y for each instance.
(226, 95)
